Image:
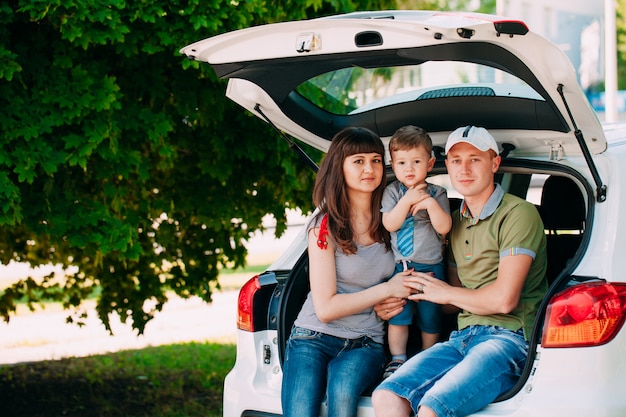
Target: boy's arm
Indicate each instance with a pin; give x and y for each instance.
(439, 218)
(393, 219)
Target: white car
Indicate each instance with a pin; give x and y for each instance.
(439, 71)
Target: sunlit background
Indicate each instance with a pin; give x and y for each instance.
(584, 29)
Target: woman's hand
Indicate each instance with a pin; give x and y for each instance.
(396, 286)
(389, 308)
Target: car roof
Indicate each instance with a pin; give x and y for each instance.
(284, 73)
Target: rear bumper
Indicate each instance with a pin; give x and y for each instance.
(563, 383)
(253, 386)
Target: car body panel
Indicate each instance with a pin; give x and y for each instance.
(262, 380)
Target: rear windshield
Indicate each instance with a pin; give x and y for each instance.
(353, 90)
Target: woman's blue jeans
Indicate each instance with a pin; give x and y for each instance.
(319, 366)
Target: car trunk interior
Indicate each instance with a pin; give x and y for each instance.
(559, 198)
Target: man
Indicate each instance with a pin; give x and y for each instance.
(497, 280)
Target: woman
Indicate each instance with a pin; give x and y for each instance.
(335, 349)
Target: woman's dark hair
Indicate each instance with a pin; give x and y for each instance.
(330, 193)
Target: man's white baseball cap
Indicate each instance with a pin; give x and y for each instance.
(478, 137)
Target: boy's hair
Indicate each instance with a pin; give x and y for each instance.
(410, 137)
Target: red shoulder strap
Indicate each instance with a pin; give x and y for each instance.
(321, 240)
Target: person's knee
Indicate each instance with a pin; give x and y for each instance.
(387, 403)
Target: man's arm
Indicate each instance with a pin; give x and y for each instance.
(453, 280)
(500, 297)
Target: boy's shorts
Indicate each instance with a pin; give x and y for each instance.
(428, 314)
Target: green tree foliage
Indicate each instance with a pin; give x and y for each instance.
(621, 44)
(123, 161)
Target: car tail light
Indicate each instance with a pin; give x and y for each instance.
(245, 304)
(588, 314)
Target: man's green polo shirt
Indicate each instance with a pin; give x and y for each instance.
(507, 226)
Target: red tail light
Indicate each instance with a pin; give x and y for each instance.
(245, 305)
(585, 315)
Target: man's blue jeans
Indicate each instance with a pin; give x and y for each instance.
(464, 374)
(318, 365)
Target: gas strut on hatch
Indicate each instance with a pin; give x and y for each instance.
(600, 188)
(292, 145)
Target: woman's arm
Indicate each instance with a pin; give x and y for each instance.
(328, 304)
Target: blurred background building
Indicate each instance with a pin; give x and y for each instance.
(578, 27)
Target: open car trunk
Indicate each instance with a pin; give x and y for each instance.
(561, 197)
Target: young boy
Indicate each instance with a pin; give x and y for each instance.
(417, 214)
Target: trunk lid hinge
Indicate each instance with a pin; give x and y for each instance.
(600, 187)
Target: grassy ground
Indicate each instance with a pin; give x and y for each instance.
(183, 380)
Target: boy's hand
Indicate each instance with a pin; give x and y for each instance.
(416, 195)
(423, 204)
